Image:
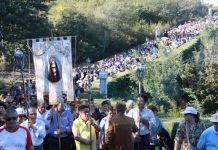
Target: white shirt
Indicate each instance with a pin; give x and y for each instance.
(17, 140)
(45, 117)
(104, 126)
(145, 114)
(38, 133)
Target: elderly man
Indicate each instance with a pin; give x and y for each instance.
(36, 128)
(84, 130)
(13, 136)
(60, 135)
(129, 106)
(119, 132)
(45, 116)
(209, 138)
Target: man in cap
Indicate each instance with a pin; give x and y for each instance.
(209, 138)
(84, 130)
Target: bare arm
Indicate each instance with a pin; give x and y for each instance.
(80, 139)
(97, 128)
(177, 145)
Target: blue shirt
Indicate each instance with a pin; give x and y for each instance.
(65, 123)
(208, 140)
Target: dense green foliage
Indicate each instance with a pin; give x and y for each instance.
(102, 27)
(106, 27)
(186, 78)
(21, 20)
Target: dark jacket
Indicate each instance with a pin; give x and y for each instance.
(119, 133)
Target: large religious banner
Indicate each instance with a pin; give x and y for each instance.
(53, 68)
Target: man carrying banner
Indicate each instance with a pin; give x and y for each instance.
(60, 135)
(81, 130)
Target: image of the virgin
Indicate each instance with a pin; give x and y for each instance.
(54, 70)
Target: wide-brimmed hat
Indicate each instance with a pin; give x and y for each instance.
(190, 110)
(214, 118)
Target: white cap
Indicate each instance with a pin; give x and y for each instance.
(190, 110)
(20, 111)
(214, 118)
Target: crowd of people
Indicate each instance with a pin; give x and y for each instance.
(165, 41)
(83, 126)
(80, 125)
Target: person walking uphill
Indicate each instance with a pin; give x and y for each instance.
(189, 130)
(119, 133)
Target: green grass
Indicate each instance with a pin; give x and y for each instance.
(177, 51)
(171, 123)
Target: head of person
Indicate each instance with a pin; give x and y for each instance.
(110, 112)
(42, 108)
(153, 108)
(22, 102)
(142, 100)
(32, 115)
(10, 117)
(190, 114)
(21, 115)
(214, 120)
(2, 108)
(84, 112)
(120, 107)
(60, 107)
(105, 105)
(129, 104)
(9, 101)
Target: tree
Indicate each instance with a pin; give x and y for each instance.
(22, 19)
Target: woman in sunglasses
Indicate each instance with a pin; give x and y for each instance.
(13, 136)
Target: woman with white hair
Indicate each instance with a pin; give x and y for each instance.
(189, 130)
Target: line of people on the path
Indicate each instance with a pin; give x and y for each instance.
(165, 41)
(82, 125)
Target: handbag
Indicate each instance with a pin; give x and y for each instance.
(190, 147)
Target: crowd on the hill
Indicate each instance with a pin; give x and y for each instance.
(148, 51)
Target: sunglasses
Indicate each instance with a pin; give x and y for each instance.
(33, 114)
(85, 111)
(21, 116)
(11, 118)
(188, 114)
